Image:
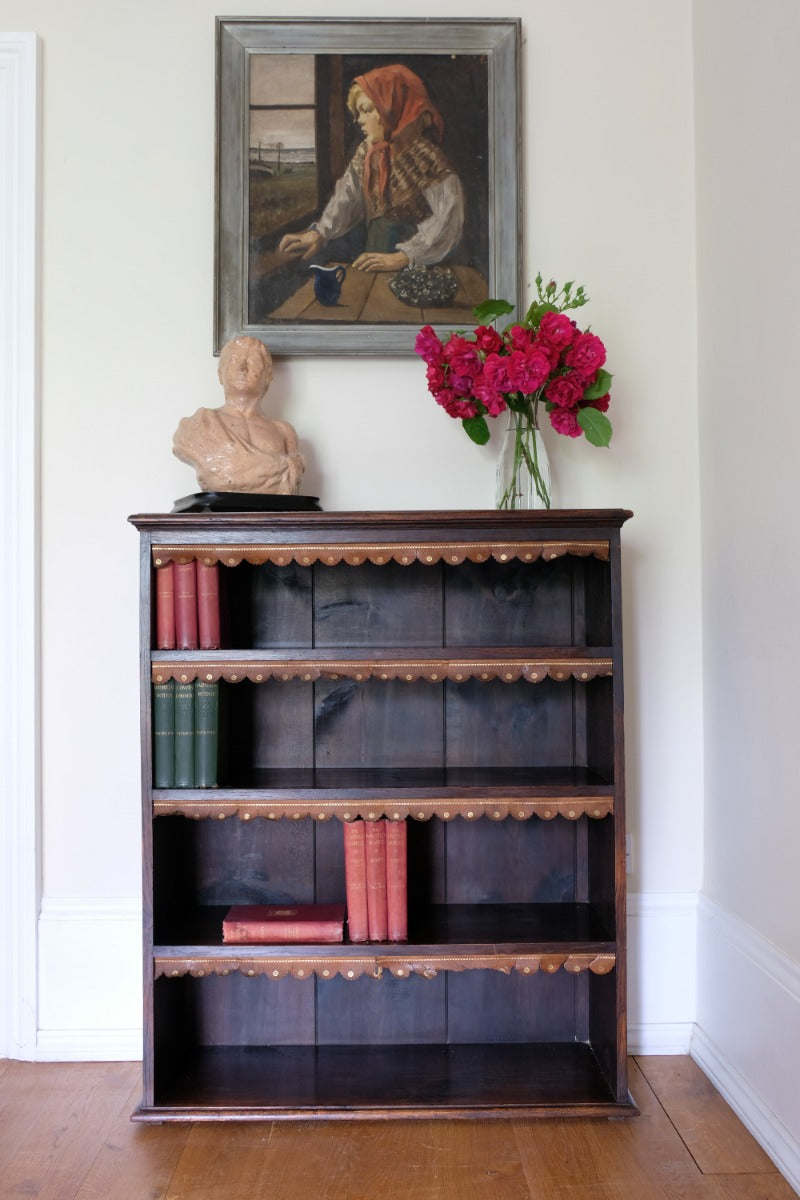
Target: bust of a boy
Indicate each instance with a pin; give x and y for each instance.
(237, 448)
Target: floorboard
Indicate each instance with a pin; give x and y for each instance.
(66, 1134)
(707, 1125)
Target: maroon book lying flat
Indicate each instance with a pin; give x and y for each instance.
(276, 924)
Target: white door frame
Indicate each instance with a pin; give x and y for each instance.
(20, 797)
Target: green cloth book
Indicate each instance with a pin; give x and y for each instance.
(164, 734)
(206, 733)
(184, 735)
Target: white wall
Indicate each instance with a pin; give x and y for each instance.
(128, 111)
(748, 185)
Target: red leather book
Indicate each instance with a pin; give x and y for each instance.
(355, 878)
(208, 606)
(377, 920)
(279, 924)
(397, 880)
(186, 606)
(165, 607)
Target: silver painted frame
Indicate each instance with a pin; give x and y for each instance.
(236, 39)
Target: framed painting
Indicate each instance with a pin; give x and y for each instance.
(368, 179)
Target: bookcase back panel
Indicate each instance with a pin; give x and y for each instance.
(512, 862)
(266, 725)
(486, 1006)
(266, 606)
(235, 862)
(561, 602)
(526, 604)
(397, 724)
(235, 1010)
(380, 723)
(385, 1011)
(524, 724)
(370, 605)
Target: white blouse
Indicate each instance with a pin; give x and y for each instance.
(435, 236)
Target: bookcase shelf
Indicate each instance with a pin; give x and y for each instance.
(459, 672)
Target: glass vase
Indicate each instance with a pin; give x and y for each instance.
(523, 468)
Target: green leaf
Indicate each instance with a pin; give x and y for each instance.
(595, 425)
(477, 429)
(491, 309)
(600, 386)
(517, 401)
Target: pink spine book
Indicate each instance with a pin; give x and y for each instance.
(165, 606)
(186, 606)
(377, 921)
(208, 632)
(281, 924)
(397, 880)
(355, 877)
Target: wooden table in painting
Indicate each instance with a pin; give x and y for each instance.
(368, 299)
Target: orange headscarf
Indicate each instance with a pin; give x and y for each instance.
(401, 98)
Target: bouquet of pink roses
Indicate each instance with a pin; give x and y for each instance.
(544, 360)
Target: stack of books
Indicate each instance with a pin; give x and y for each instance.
(185, 734)
(376, 880)
(187, 606)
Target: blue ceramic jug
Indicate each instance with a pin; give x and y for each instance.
(328, 283)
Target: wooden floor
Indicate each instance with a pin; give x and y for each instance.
(65, 1134)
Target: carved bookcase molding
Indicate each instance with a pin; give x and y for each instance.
(309, 668)
(402, 965)
(427, 553)
(571, 808)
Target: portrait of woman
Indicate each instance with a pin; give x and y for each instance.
(399, 182)
(379, 188)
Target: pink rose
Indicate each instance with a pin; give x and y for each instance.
(601, 404)
(461, 382)
(557, 331)
(528, 369)
(435, 376)
(428, 346)
(463, 356)
(491, 400)
(586, 355)
(565, 390)
(565, 421)
(454, 406)
(495, 372)
(487, 339)
(521, 338)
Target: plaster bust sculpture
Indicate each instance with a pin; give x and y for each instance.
(237, 448)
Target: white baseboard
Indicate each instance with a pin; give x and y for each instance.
(665, 1038)
(89, 1045)
(662, 974)
(747, 1038)
(90, 980)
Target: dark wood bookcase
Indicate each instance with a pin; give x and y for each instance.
(458, 670)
